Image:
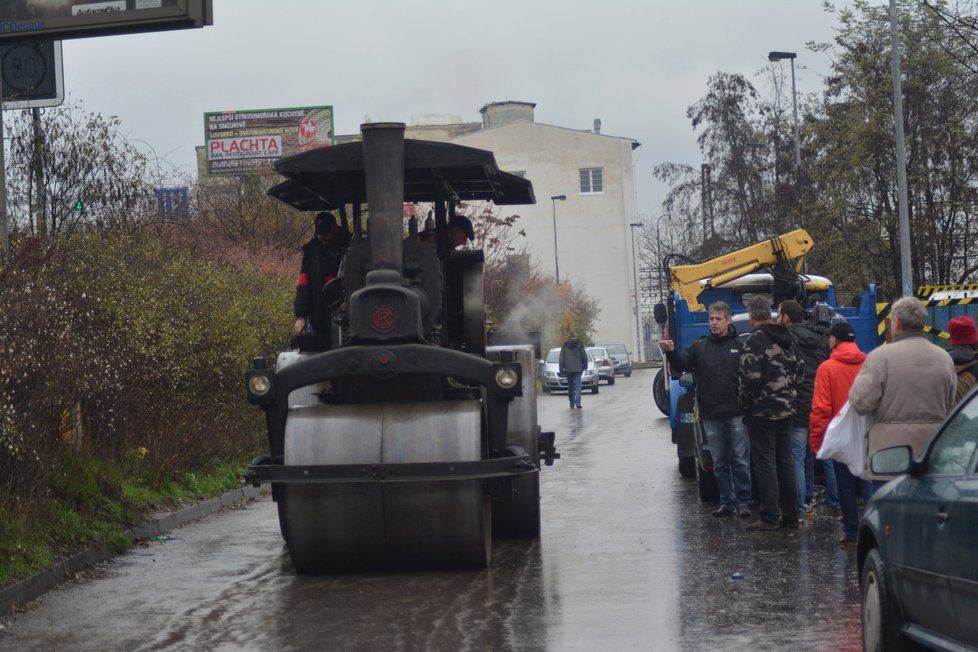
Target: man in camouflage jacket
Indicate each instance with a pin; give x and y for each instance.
(769, 377)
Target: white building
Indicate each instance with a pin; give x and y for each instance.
(596, 175)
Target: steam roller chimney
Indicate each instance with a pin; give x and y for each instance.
(383, 164)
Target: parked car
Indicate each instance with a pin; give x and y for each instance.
(916, 556)
(554, 383)
(621, 356)
(604, 363)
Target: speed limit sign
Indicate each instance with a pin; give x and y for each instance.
(31, 74)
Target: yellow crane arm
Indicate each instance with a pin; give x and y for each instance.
(687, 280)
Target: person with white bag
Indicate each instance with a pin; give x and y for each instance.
(907, 386)
(833, 379)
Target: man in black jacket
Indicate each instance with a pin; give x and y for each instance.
(715, 360)
(321, 259)
(812, 349)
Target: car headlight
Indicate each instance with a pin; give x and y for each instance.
(550, 374)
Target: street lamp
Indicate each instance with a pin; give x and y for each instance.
(638, 323)
(554, 200)
(778, 56)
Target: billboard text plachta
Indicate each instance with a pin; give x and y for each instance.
(249, 142)
(65, 19)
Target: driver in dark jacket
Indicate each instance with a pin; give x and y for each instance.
(715, 360)
(321, 258)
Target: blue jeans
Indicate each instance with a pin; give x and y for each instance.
(799, 445)
(831, 484)
(730, 448)
(574, 387)
(774, 469)
(848, 484)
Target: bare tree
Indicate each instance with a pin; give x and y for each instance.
(69, 169)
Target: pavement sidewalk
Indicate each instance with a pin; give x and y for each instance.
(33, 587)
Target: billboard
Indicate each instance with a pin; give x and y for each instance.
(249, 142)
(64, 19)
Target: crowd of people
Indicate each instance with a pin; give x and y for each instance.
(766, 399)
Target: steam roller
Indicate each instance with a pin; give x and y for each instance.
(399, 440)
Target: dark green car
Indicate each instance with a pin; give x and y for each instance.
(918, 543)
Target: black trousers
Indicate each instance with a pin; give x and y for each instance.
(774, 469)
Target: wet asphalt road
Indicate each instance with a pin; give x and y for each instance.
(628, 560)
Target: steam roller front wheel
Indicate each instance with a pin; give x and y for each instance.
(359, 526)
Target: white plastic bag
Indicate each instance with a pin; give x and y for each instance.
(845, 439)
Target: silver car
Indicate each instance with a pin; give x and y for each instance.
(604, 363)
(621, 356)
(554, 383)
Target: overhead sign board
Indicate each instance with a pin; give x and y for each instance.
(249, 142)
(64, 19)
(31, 74)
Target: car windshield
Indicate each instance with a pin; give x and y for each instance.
(597, 352)
(952, 451)
(615, 349)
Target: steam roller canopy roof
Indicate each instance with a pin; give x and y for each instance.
(328, 177)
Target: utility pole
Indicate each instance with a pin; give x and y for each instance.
(901, 158)
(4, 245)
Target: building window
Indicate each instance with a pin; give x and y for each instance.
(592, 181)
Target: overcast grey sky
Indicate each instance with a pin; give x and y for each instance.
(635, 64)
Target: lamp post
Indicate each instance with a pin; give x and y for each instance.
(554, 200)
(778, 56)
(638, 323)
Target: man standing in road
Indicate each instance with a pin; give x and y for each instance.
(715, 360)
(908, 385)
(573, 362)
(812, 349)
(833, 380)
(769, 377)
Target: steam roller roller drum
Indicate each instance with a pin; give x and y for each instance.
(350, 527)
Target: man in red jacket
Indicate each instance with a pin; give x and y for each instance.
(833, 380)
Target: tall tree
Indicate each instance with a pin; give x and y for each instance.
(854, 162)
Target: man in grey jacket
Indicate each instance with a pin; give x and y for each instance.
(573, 362)
(907, 385)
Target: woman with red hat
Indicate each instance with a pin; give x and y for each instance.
(964, 338)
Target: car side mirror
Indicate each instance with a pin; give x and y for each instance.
(892, 461)
(687, 380)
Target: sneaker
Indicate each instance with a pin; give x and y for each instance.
(847, 541)
(723, 511)
(744, 512)
(837, 513)
(579, 406)
(762, 526)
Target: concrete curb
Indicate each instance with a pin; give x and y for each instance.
(39, 583)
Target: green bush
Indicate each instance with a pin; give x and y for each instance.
(121, 382)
